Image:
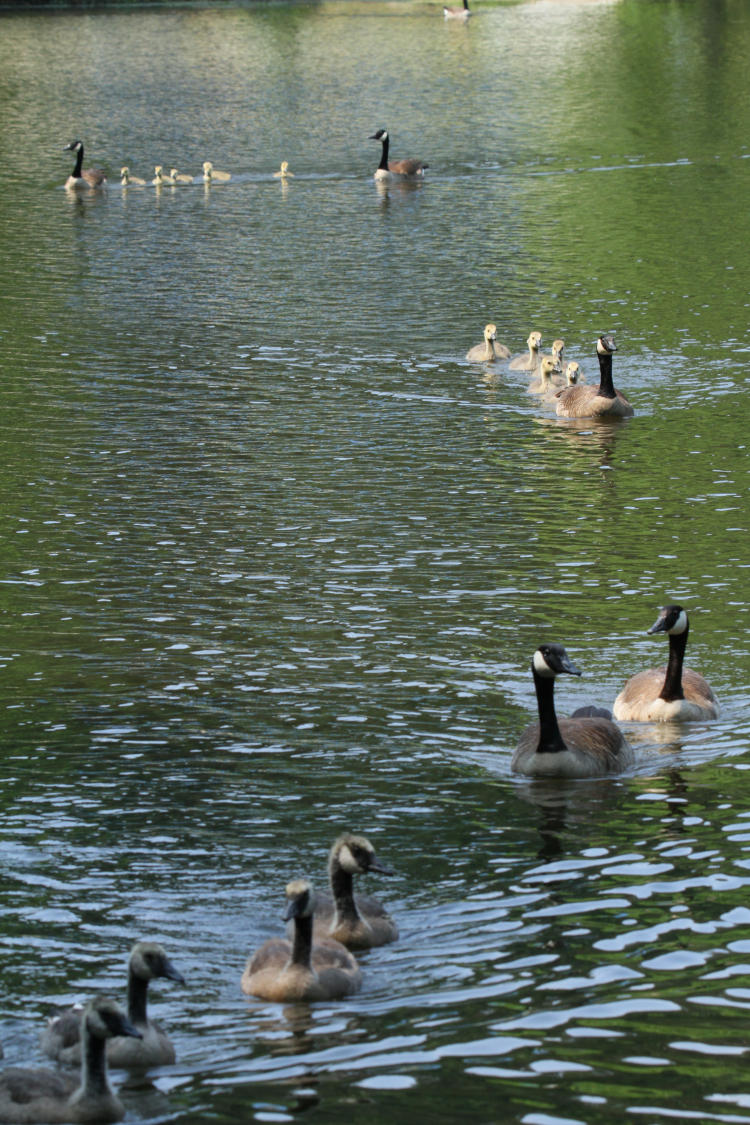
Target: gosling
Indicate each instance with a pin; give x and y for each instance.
(530, 360)
(490, 350)
(357, 921)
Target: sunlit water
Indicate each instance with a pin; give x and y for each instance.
(275, 557)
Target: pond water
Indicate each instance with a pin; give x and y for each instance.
(276, 557)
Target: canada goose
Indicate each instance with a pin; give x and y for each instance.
(573, 374)
(28, 1096)
(357, 921)
(530, 360)
(148, 960)
(283, 172)
(596, 402)
(82, 177)
(490, 350)
(575, 747)
(544, 384)
(558, 347)
(180, 177)
(672, 692)
(388, 168)
(211, 175)
(160, 180)
(452, 13)
(130, 181)
(298, 970)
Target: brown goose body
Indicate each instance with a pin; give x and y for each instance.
(387, 169)
(575, 747)
(672, 693)
(583, 401)
(531, 359)
(301, 970)
(357, 921)
(82, 177)
(489, 350)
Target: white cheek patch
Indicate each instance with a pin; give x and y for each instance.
(680, 624)
(541, 667)
(347, 860)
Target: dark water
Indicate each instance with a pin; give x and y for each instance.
(275, 558)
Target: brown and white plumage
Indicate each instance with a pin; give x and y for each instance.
(531, 360)
(300, 970)
(357, 921)
(602, 401)
(130, 181)
(387, 169)
(454, 13)
(575, 747)
(490, 350)
(82, 177)
(148, 961)
(32, 1096)
(212, 175)
(672, 692)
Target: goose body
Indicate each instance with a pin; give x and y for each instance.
(596, 402)
(180, 177)
(673, 692)
(297, 970)
(212, 175)
(390, 169)
(130, 181)
(454, 13)
(82, 177)
(490, 350)
(283, 172)
(357, 921)
(45, 1096)
(61, 1039)
(529, 361)
(582, 746)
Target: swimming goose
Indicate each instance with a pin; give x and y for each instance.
(82, 177)
(283, 172)
(452, 13)
(32, 1096)
(529, 361)
(558, 347)
(544, 384)
(211, 175)
(148, 961)
(300, 970)
(573, 374)
(357, 921)
(128, 181)
(160, 180)
(672, 692)
(390, 168)
(180, 177)
(575, 747)
(596, 402)
(490, 350)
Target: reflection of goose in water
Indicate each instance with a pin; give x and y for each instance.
(127, 180)
(529, 361)
(212, 175)
(575, 747)
(405, 167)
(82, 177)
(490, 350)
(669, 693)
(358, 921)
(596, 402)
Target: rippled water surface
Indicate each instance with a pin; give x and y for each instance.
(275, 556)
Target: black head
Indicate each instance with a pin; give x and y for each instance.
(73, 146)
(356, 855)
(381, 135)
(104, 1019)
(671, 619)
(148, 959)
(551, 660)
(606, 345)
(300, 899)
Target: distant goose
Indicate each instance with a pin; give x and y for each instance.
(300, 970)
(596, 402)
(452, 13)
(357, 921)
(575, 747)
(211, 175)
(490, 350)
(180, 177)
(544, 384)
(35, 1096)
(672, 692)
(82, 177)
(160, 180)
(148, 961)
(127, 180)
(530, 360)
(283, 172)
(387, 169)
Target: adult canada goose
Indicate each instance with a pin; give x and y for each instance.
(283, 172)
(357, 921)
(387, 169)
(452, 13)
(300, 970)
(575, 747)
(544, 383)
(596, 402)
(672, 692)
(148, 961)
(28, 1096)
(530, 360)
(180, 177)
(490, 350)
(211, 175)
(130, 181)
(82, 177)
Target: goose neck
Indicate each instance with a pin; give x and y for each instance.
(673, 680)
(137, 993)
(384, 153)
(79, 163)
(94, 1080)
(342, 889)
(302, 943)
(550, 738)
(606, 386)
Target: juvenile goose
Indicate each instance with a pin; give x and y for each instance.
(575, 747)
(32, 1096)
(211, 175)
(82, 177)
(672, 692)
(61, 1039)
(357, 921)
(596, 402)
(180, 177)
(544, 384)
(530, 360)
(160, 180)
(298, 970)
(573, 374)
(490, 350)
(129, 181)
(558, 347)
(388, 169)
(452, 13)
(283, 172)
